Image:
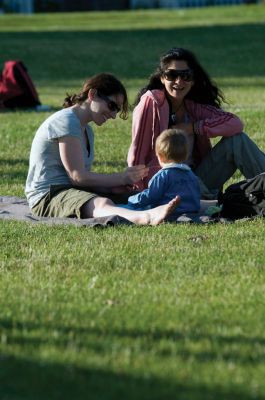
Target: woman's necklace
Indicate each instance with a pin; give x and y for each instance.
(174, 115)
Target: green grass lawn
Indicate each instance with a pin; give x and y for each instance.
(171, 312)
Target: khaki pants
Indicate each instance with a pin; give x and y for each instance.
(228, 155)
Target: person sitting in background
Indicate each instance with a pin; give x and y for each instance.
(180, 94)
(175, 178)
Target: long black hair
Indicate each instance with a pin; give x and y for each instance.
(203, 91)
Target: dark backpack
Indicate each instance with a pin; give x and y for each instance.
(244, 199)
(16, 87)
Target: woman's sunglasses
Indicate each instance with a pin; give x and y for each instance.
(184, 74)
(110, 103)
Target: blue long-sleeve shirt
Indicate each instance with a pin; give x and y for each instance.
(172, 180)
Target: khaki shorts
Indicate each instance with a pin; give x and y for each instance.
(62, 202)
(65, 201)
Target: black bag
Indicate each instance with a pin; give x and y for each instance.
(244, 199)
(16, 87)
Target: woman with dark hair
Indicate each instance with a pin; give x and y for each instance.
(59, 182)
(180, 94)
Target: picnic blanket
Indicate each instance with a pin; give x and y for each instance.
(16, 208)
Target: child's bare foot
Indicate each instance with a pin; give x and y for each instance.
(159, 214)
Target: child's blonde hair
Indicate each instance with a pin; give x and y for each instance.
(172, 145)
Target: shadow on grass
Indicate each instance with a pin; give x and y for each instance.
(93, 340)
(230, 355)
(226, 50)
(24, 378)
(152, 335)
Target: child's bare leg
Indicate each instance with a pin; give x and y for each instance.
(103, 207)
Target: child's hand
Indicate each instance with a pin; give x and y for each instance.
(135, 174)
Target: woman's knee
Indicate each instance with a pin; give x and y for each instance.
(238, 138)
(87, 210)
(235, 143)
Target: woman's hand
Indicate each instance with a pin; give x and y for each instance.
(135, 174)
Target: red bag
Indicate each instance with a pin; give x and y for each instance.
(16, 87)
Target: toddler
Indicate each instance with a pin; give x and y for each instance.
(175, 178)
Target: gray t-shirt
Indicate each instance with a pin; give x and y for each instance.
(45, 165)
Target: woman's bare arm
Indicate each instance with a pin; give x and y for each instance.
(72, 158)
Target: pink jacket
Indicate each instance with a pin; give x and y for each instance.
(150, 118)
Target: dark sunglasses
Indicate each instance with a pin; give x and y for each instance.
(110, 103)
(184, 74)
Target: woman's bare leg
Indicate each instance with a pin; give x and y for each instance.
(103, 207)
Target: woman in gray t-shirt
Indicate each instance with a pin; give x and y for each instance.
(60, 182)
